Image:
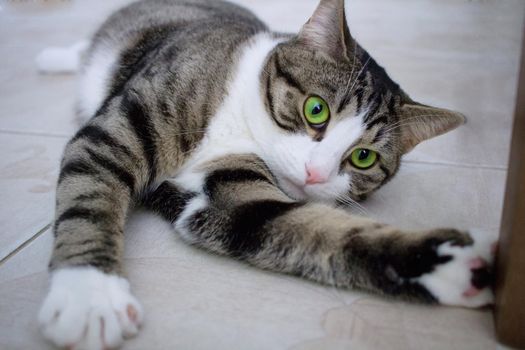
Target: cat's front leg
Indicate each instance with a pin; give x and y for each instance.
(241, 212)
(106, 166)
(89, 309)
(449, 265)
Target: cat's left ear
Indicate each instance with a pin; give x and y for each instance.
(327, 31)
(420, 123)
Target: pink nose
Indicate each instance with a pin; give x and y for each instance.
(314, 176)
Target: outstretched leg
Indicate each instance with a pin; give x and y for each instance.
(108, 164)
(242, 213)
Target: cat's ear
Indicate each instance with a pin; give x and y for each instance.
(420, 123)
(327, 31)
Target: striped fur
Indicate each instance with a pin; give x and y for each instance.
(157, 110)
(201, 121)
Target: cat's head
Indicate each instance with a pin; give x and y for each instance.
(341, 124)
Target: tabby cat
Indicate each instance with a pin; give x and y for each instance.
(248, 141)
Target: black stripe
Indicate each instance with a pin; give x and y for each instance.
(382, 119)
(290, 80)
(143, 128)
(344, 102)
(104, 263)
(97, 252)
(81, 213)
(89, 196)
(246, 233)
(374, 107)
(138, 57)
(357, 91)
(76, 167)
(269, 96)
(223, 176)
(287, 118)
(98, 136)
(359, 96)
(391, 105)
(281, 125)
(372, 97)
(124, 176)
(167, 200)
(271, 105)
(106, 241)
(385, 170)
(379, 135)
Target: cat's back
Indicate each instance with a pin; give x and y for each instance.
(190, 39)
(175, 15)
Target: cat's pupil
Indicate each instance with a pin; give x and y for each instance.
(363, 154)
(317, 109)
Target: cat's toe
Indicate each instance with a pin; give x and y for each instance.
(464, 280)
(87, 309)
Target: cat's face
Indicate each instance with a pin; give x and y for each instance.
(341, 124)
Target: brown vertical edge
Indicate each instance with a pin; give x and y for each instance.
(510, 266)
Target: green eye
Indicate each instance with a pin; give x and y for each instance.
(316, 111)
(363, 158)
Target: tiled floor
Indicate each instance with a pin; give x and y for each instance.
(462, 54)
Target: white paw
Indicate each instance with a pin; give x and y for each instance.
(88, 309)
(462, 281)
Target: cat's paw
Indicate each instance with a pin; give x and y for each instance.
(464, 279)
(88, 309)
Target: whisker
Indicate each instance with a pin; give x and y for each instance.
(358, 74)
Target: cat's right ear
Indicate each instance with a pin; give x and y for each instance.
(327, 31)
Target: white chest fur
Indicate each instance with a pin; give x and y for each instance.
(231, 130)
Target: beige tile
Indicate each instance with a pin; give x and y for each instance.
(200, 301)
(29, 101)
(32, 259)
(375, 324)
(429, 195)
(34, 103)
(192, 299)
(19, 301)
(460, 54)
(28, 172)
(448, 53)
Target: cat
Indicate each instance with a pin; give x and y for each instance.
(250, 142)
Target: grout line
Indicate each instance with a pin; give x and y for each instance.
(33, 133)
(438, 163)
(25, 244)
(457, 165)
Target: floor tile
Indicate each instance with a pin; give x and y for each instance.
(428, 196)
(197, 300)
(28, 172)
(25, 29)
(473, 70)
(462, 55)
(458, 54)
(32, 259)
